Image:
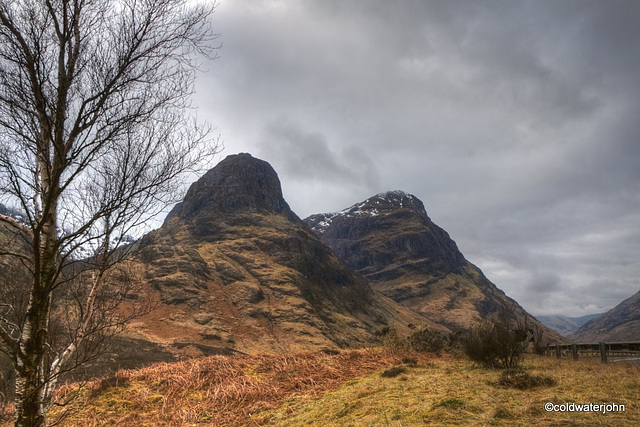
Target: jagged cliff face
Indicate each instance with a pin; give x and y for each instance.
(620, 324)
(392, 242)
(234, 268)
(385, 230)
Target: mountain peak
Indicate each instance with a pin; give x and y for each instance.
(377, 205)
(386, 202)
(390, 240)
(392, 193)
(240, 182)
(240, 270)
(398, 199)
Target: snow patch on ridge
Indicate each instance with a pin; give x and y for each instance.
(373, 206)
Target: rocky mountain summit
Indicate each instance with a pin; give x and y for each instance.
(391, 241)
(379, 204)
(234, 268)
(384, 229)
(239, 183)
(620, 324)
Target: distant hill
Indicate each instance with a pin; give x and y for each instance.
(566, 325)
(391, 241)
(621, 323)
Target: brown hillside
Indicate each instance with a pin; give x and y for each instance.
(234, 269)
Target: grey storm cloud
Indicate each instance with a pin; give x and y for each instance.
(544, 282)
(306, 155)
(514, 121)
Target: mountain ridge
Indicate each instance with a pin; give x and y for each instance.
(621, 323)
(390, 239)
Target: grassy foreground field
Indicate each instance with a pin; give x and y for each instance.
(447, 391)
(354, 388)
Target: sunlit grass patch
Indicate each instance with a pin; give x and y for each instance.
(450, 391)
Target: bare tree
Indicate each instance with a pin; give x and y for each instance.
(95, 131)
(498, 340)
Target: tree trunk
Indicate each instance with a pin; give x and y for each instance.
(31, 371)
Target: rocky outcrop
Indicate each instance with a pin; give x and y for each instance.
(238, 183)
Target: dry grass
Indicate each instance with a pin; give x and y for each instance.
(351, 389)
(449, 391)
(218, 390)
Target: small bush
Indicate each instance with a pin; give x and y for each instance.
(394, 343)
(539, 342)
(411, 361)
(428, 341)
(382, 331)
(523, 380)
(498, 342)
(393, 372)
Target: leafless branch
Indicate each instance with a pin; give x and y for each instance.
(96, 132)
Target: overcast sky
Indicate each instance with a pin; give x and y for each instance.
(517, 123)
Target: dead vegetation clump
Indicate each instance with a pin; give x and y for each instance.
(393, 372)
(423, 340)
(523, 380)
(217, 390)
